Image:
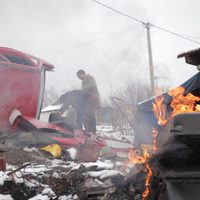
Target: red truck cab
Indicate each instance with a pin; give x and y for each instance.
(22, 83)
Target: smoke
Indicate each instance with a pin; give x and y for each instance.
(59, 32)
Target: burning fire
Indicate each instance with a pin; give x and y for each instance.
(136, 159)
(159, 110)
(148, 177)
(154, 135)
(181, 103)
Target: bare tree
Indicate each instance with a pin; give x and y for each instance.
(51, 95)
(126, 100)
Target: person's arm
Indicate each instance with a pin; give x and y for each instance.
(63, 108)
(89, 85)
(65, 104)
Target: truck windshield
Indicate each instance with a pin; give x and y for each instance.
(18, 60)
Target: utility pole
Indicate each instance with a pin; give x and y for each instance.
(151, 70)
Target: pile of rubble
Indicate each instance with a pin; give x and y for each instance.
(35, 175)
(32, 172)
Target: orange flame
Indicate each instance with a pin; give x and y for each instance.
(155, 143)
(181, 103)
(159, 110)
(134, 158)
(147, 181)
(147, 166)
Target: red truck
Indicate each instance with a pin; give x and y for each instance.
(22, 83)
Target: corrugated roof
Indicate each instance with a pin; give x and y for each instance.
(191, 57)
(51, 108)
(187, 53)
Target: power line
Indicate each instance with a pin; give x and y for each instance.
(118, 33)
(91, 42)
(192, 36)
(121, 13)
(140, 21)
(177, 34)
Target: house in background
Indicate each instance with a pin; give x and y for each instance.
(105, 115)
(45, 112)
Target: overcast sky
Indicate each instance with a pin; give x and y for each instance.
(81, 34)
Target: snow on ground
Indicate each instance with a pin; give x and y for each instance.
(94, 173)
(49, 192)
(6, 197)
(40, 197)
(98, 164)
(3, 177)
(104, 173)
(72, 152)
(110, 132)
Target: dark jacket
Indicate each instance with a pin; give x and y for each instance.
(78, 99)
(89, 85)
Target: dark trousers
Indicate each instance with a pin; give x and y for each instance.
(81, 112)
(90, 117)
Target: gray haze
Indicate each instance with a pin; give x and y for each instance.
(74, 34)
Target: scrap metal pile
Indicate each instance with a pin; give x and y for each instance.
(32, 173)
